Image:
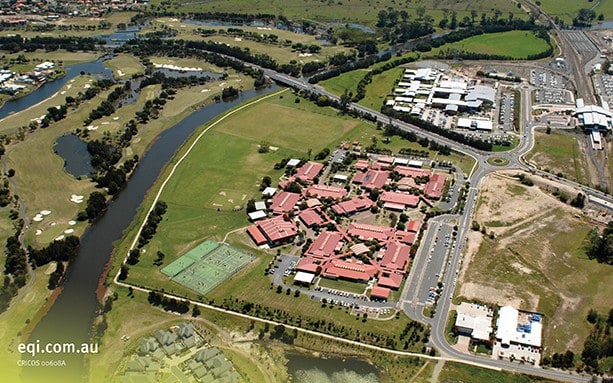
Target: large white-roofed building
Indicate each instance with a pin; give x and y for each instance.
(429, 87)
(594, 117)
(513, 331)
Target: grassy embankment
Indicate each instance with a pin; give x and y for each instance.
(537, 260)
(358, 11)
(559, 152)
(456, 373)
(514, 44)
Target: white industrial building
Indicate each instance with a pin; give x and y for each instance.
(510, 330)
(475, 124)
(594, 117)
(474, 320)
(429, 87)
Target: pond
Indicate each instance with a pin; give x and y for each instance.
(308, 369)
(77, 160)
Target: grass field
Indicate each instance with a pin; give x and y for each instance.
(282, 54)
(59, 56)
(341, 285)
(560, 153)
(381, 85)
(514, 44)
(536, 261)
(347, 81)
(124, 66)
(14, 321)
(361, 11)
(458, 373)
(568, 9)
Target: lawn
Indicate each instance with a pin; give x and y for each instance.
(124, 66)
(360, 11)
(351, 287)
(381, 86)
(514, 44)
(60, 56)
(568, 9)
(456, 373)
(347, 81)
(559, 152)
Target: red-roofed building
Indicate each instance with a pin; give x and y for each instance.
(367, 232)
(398, 201)
(325, 244)
(414, 226)
(380, 292)
(352, 206)
(325, 191)
(256, 235)
(434, 187)
(309, 265)
(350, 269)
(361, 165)
(412, 172)
(405, 237)
(372, 179)
(311, 217)
(284, 202)
(390, 279)
(277, 230)
(309, 171)
(395, 257)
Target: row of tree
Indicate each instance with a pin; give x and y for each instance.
(155, 217)
(18, 43)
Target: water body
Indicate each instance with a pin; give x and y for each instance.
(307, 369)
(361, 27)
(72, 315)
(77, 160)
(48, 89)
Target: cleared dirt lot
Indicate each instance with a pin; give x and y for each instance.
(535, 261)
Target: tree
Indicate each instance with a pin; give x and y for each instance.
(195, 311)
(592, 316)
(96, 205)
(123, 273)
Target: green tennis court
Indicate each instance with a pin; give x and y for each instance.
(206, 266)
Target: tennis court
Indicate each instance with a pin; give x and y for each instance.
(207, 265)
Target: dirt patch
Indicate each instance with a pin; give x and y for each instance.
(535, 260)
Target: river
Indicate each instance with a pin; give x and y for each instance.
(48, 89)
(71, 316)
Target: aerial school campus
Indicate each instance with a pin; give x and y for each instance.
(335, 192)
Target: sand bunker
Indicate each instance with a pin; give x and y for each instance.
(87, 86)
(72, 223)
(76, 198)
(105, 123)
(120, 73)
(37, 218)
(63, 92)
(223, 193)
(178, 68)
(115, 118)
(60, 237)
(45, 212)
(91, 127)
(68, 231)
(39, 232)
